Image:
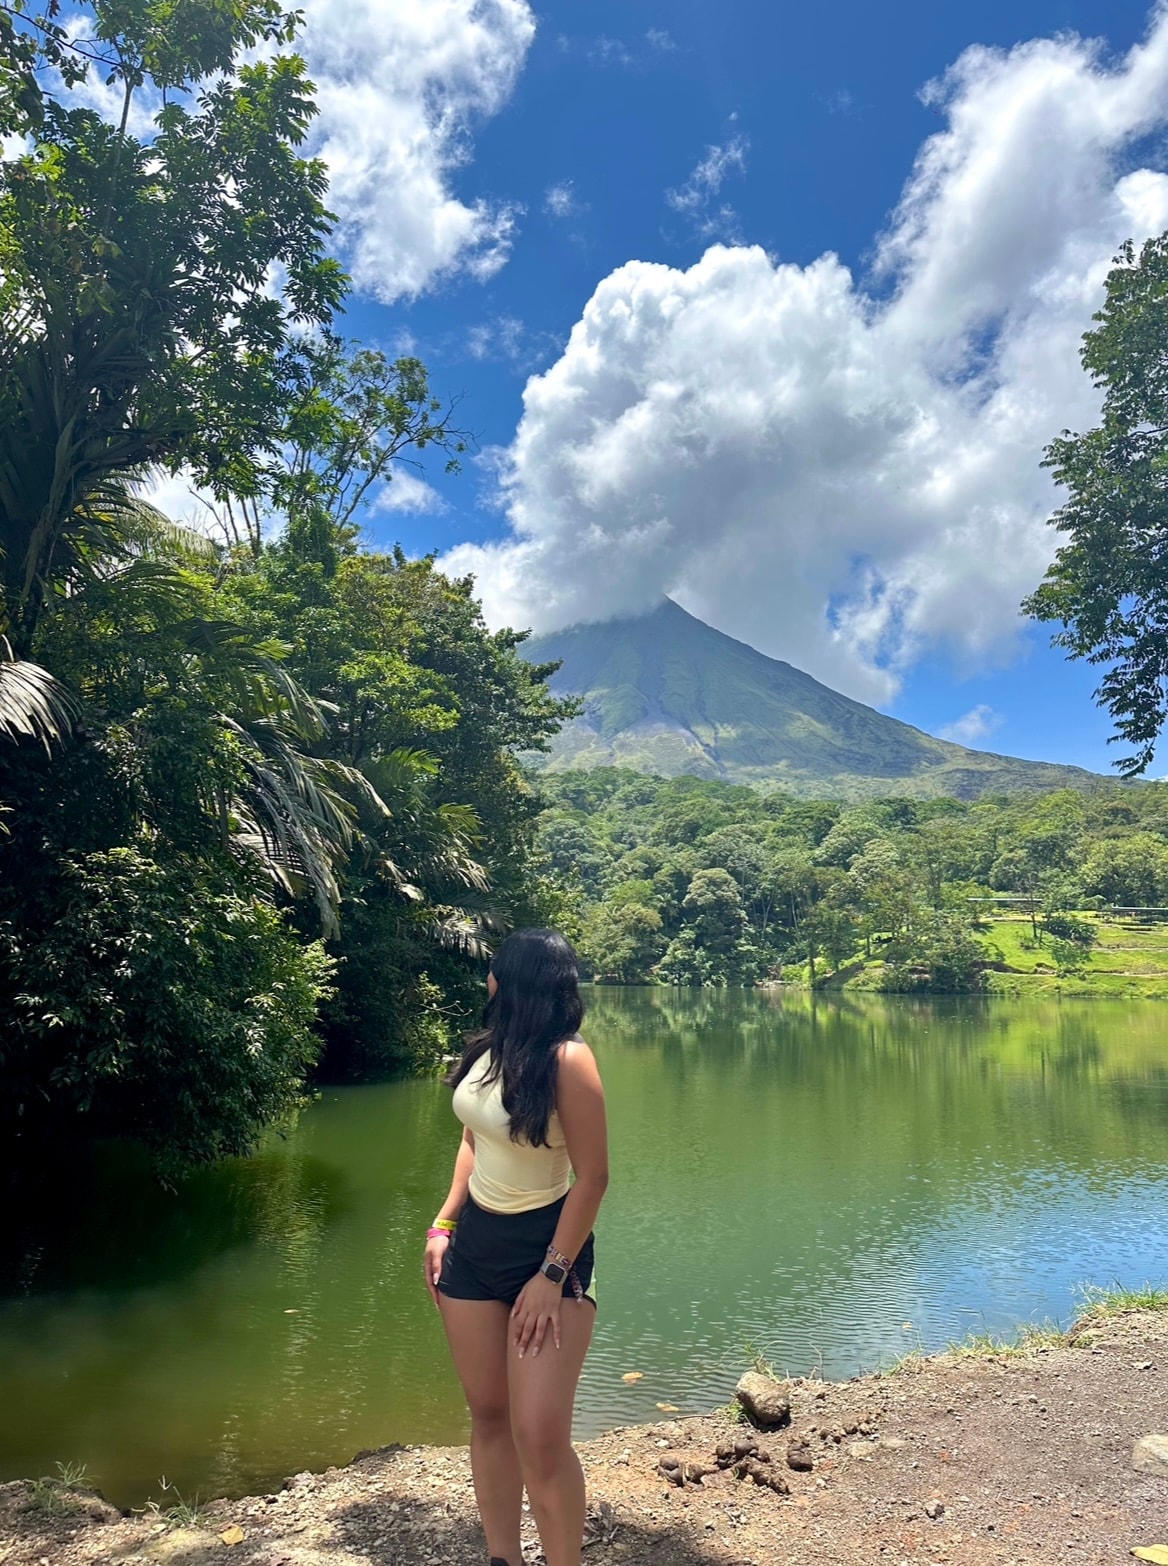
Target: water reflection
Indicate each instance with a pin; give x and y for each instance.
(805, 1177)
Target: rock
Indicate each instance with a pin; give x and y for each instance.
(861, 1449)
(751, 1468)
(99, 1510)
(933, 1510)
(764, 1400)
(1150, 1454)
(799, 1457)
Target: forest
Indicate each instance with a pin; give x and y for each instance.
(696, 882)
(260, 816)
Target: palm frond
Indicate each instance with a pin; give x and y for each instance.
(33, 704)
(467, 931)
(151, 534)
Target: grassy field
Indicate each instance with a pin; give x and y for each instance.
(1130, 959)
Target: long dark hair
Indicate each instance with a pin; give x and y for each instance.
(535, 1008)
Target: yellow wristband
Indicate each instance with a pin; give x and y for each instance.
(449, 1224)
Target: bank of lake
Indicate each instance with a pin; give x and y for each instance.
(989, 1455)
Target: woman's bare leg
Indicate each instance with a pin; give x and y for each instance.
(543, 1389)
(477, 1333)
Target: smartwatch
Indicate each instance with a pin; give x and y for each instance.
(553, 1271)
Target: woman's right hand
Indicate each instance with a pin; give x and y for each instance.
(432, 1263)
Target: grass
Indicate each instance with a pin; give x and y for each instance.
(1130, 961)
(1116, 1301)
(1031, 1338)
(55, 1495)
(1036, 1338)
(181, 1513)
(758, 1360)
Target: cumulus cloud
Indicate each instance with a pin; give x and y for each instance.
(976, 724)
(400, 86)
(847, 473)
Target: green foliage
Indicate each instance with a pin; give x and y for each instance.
(939, 953)
(152, 1000)
(623, 941)
(1107, 586)
(747, 888)
(1129, 871)
(211, 756)
(136, 325)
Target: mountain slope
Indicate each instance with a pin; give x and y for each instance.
(665, 693)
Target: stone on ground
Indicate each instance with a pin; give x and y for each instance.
(764, 1399)
(1150, 1454)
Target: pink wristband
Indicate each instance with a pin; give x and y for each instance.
(435, 1234)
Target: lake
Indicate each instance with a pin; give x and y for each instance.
(832, 1184)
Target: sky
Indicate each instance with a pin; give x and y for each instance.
(770, 308)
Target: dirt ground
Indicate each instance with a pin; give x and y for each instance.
(1010, 1460)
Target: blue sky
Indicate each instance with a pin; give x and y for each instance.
(836, 460)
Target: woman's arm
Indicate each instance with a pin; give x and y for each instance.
(580, 1106)
(460, 1182)
(450, 1209)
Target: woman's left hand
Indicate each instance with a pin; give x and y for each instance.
(537, 1309)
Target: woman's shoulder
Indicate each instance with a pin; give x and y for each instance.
(577, 1061)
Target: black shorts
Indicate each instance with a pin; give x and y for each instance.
(493, 1255)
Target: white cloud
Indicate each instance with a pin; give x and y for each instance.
(500, 338)
(400, 86)
(841, 476)
(694, 199)
(408, 493)
(976, 724)
(604, 50)
(176, 496)
(560, 200)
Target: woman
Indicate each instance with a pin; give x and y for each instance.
(509, 1259)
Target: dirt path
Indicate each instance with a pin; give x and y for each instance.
(1015, 1460)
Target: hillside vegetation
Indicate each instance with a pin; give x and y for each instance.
(698, 882)
(665, 694)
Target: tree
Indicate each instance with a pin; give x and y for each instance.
(623, 941)
(136, 322)
(1071, 939)
(1131, 871)
(939, 953)
(1108, 585)
(713, 910)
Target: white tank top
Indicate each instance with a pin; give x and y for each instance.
(508, 1177)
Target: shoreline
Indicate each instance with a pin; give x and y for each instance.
(1015, 1455)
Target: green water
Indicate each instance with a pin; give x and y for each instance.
(835, 1184)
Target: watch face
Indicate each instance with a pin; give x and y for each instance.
(553, 1271)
